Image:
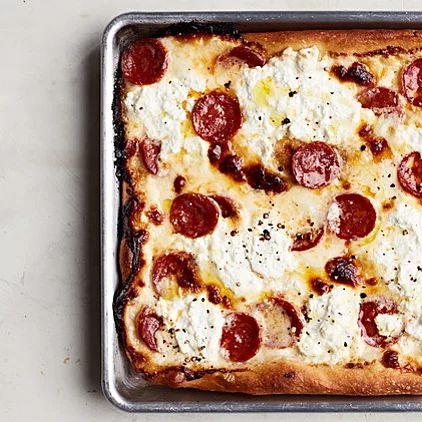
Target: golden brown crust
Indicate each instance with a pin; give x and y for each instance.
(337, 41)
(295, 378)
(288, 377)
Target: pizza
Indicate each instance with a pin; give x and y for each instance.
(271, 216)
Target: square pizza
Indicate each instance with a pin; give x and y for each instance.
(271, 216)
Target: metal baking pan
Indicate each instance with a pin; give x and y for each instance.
(123, 388)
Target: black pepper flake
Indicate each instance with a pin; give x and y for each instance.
(259, 118)
(265, 215)
(363, 295)
(292, 93)
(392, 185)
(345, 344)
(227, 84)
(233, 233)
(285, 121)
(363, 147)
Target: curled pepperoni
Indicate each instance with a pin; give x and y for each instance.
(409, 174)
(315, 165)
(390, 359)
(411, 83)
(379, 99)
(155, 216)
(259, 177)
(368, 312)
(243, 54)
(320, 286)
(144, 62)
(343, 270)
(307, 239)
(227, 206)
(356, 72)
(216, 116)
(357, 216)
(178, 266)
(232, 165)
(241, 337)
(283, 325)
(193, 215)
(150, 151)
(148, 323)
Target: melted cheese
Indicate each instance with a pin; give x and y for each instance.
(330, 334)
(192, 326)
(293, 96)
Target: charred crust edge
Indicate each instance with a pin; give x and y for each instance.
(193, 28)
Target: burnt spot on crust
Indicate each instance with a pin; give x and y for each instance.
(388, 51)
(289, 375)
(118, 126)
(354, 365)
(127, 290)
(356, 72)
(195, 28)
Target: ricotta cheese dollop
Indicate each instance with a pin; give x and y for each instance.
(330, 335)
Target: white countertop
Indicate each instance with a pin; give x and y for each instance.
(49, 265)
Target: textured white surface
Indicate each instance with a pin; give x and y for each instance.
(49, 273)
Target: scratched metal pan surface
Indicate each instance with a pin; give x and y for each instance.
(122, 387)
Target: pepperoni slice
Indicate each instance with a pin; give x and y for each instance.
(357, 216)
(411, 83)
(409, 174)
(307, 240)
(216, 116)
(243, 54)
(241, 337)
(178, 266)
(144, 62)
(227, 206)
(283, 325)
(150, 151)
(315, 165)
(379, 99)
(193, 215)
(148, 323)
(343, 270)
(368, 312)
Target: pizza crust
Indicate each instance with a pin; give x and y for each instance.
(283, 377)
(295, 378)
(362, 42)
